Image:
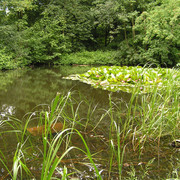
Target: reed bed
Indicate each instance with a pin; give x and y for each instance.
(145, 120)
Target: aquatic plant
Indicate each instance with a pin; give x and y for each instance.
(115, 78)
(56, 148)
(146, 119)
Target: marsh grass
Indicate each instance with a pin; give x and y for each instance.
(62, 140)
(146, 118)
(12, 126)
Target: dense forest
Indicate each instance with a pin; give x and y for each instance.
(121, 32)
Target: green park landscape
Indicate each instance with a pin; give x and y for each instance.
(89, 89)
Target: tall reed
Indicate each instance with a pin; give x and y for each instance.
(144, 117)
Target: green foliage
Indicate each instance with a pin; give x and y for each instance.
(44, 31)
(49, 157)
(127, 79)
(127, 55)
(159, 33)
(89, 58)
(6, 61)
(114, 20)
(60, 28)
(46, 40)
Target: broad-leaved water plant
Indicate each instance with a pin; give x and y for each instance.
(115, 78)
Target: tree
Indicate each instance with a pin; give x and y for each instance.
(65, 26)
(13, 27)
(159, 33)
(41, 31)
(115, 19)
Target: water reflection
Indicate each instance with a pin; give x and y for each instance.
(7, 110)
(24, 91)
(40, 85)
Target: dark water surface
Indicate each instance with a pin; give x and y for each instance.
(22, 90)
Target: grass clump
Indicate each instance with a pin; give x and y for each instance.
(85, 149)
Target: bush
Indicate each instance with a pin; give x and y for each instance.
(6, 61)
(159, 33)
(89, 58)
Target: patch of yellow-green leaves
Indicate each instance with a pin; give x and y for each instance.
(115, 78)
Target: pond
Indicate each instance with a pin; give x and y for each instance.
(29, 90)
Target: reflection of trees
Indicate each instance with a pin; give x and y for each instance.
(37, 86)
(40, 85)
(8, 77)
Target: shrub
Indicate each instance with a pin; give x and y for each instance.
(89, 58)
(6, 61)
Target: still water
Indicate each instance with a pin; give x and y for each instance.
(23, 91)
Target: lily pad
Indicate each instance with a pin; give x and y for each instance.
(128, 79)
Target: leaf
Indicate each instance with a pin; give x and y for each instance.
(126, 78)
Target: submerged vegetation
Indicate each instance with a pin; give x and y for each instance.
(86, 148)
